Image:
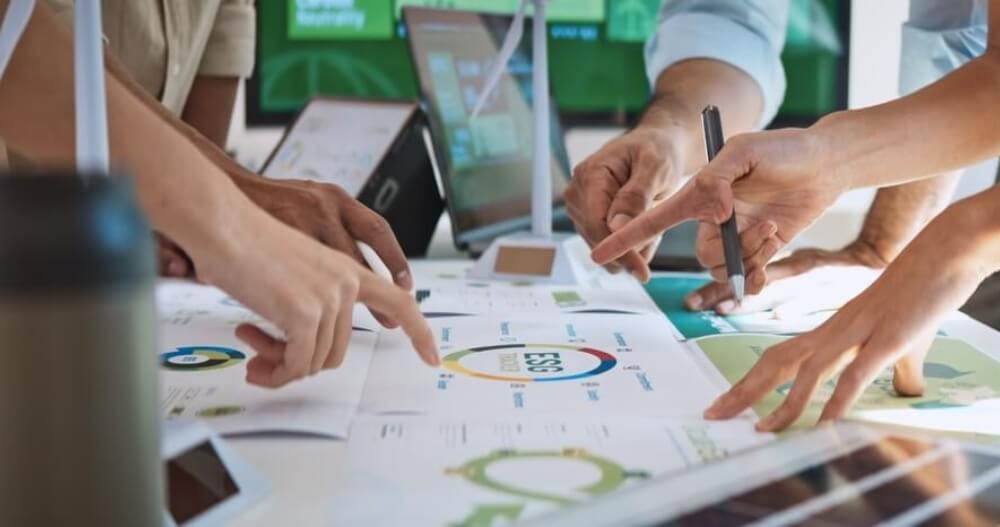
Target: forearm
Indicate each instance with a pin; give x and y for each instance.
(975, 224)
(947, 125)
(209, 107)
(899, 213)
(178, 189)
(209, 148)
(684, 89)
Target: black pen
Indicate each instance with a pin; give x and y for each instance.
(714, 140)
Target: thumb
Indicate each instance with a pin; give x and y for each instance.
(636, 195)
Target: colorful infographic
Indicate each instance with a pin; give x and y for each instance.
(530, 362)
(962, 385)
(565, 364)
(201, 358)
(468, 472)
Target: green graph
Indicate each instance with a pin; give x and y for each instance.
(957, 375)
(477, 471)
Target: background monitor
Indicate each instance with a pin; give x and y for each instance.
(358, 48)
(486, 162)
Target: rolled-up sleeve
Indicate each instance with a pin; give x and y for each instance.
(230, 48)
(938, 37)
(747, 35)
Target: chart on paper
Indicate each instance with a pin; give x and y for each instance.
(445, 291)
(203, 371)
(430, 471)
(575, 364)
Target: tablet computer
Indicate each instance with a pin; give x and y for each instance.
(485, 163)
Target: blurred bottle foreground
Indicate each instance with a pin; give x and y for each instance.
(79, 422)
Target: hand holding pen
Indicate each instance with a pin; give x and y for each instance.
(777, 182)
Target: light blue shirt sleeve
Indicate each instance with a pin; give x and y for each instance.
(746, 34)
(938, 37)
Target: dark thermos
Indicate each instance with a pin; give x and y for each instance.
(79, 439)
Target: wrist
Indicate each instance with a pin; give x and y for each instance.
(825, 148)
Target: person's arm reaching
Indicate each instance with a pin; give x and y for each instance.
(891, 324)
(896, 215)
(305, 289)
(322, 211)
(789, 177)
(704, 52)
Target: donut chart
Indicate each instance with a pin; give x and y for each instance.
(542, 362)
(612, 475)
(198, 358)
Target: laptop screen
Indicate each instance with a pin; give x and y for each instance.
(486, 162)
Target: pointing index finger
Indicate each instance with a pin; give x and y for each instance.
(647, 225)
(386, 298)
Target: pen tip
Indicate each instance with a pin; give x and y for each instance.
(737, 284)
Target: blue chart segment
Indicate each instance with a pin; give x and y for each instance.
(198, 358)
(541, 362)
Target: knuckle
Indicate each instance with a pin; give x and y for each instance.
(377, 225)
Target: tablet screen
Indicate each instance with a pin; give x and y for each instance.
(486, 162)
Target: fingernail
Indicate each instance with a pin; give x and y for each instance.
(694, 301)
(619, 221)
(404, 280)
(725, 306)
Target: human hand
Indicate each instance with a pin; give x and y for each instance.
(775, 182)
(892, 322)
(618, 183)
(831, 277)
(305, 289)
(323, 211)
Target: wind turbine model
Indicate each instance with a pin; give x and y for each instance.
(539, 255)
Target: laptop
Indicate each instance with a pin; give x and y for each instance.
(485, 164)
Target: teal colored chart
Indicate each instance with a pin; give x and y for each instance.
(668, 293)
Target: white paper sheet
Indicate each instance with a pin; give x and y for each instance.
(405, 470)
(555, 365)
(444, 289)
(203, 369)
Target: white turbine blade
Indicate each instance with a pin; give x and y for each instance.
(510, 42)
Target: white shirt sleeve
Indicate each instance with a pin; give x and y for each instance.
(746, 34)
(938, 37)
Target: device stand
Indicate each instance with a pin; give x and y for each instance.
(557, 259)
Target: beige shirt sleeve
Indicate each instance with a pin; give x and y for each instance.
(229, 51)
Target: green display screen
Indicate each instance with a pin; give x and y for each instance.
(358, 48)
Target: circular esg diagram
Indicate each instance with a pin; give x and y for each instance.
(196, 358)
(530, 362)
